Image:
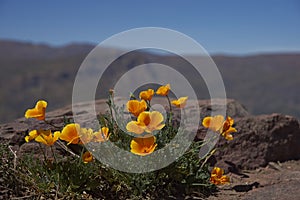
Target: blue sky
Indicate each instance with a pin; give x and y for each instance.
(231, 26)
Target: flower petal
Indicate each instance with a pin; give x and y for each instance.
(45, 137)
(206, 122)
(136, 107)
(38, 112)
(41, 139)
(102, 135)
(70, 133)
(33, 113)
(230, 120)
(224, 179)
(228, 136)
(156, 118)
(56, 135)
(231, 130)
(163, 90)
(41, 104)
(180, 103)
(147, 140)
(134, 127)
(135, 146)
(87, 157)
(144, 118)
(143, 146)
(146, 95)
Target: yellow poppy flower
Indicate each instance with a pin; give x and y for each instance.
(217, 176)
(163, 90)
(227, 129)
(70, 133)
(143, 146)
(102, 135)
(87, 157)
(180, 103)
(220, 125)
(147, 94)
(38, 112)
(136, 107)
(146, 121)
(35, 133)
(48, 139)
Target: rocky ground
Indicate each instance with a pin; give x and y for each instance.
(262, 160)
(275, 181)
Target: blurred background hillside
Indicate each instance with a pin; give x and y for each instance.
(255, 45)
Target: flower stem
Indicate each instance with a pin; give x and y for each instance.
(111, 108)
(207, 157)
(169, 103)
(81, 153)
(171, 112)
(66, 149)
(45, 158)
(148, 105)
(51, 147)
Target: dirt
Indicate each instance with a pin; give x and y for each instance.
(275, 181)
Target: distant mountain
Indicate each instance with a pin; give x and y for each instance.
(29, 51)
(263, 83)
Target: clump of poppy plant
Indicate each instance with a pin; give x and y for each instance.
(147, 131)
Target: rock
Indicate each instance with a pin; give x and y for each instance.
(234, 108)
(260, 140)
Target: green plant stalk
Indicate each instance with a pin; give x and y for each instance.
(45, 158)
(81, 154)
(54, 156)
(169, 104)
(207, 157)
(171, 112)
(111, 105)
(148, 105)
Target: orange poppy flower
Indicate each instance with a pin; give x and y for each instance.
(48, 139)
(102, 135)
(221, 125)
(136, 107)
(71, 133)
(163, 90)
(38, 112)
(180, 103)
(143, 146)
(217, 176)
(87, 157)
(146, 121)
(147, 94)
(35, 133)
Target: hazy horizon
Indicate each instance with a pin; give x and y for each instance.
(254, 53)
